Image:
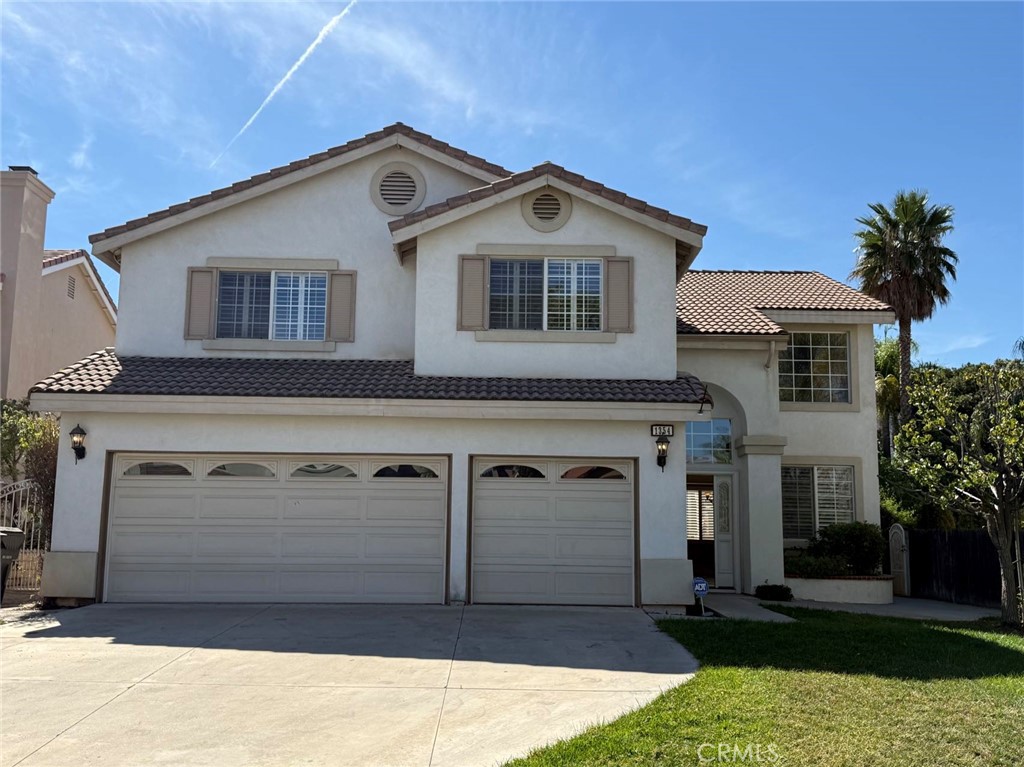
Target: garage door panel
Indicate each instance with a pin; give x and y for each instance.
(512, 508)
(393, 585)
(398, 545)
(595, 508)
(161, 506)
(560, 541)
(146, 583)
(323, 507)
(237, 544)
(594, 588)
(497, 546)
(321, 544)
(598, 549)
(249, 538)
(411, 506)
(239, 507)
(151, 543)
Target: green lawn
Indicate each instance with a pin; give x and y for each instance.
(831, 689)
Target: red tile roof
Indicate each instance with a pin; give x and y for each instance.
(370, 138)
(555, 171)
(731, 302)
(105, 373)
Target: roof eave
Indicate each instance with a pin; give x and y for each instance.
(406, 233)
(105, 246)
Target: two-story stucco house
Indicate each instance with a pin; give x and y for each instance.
(396, 372)
(54, 307)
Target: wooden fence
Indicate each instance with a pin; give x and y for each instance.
(954, 566)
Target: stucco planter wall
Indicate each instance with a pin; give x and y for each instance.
(868, 590)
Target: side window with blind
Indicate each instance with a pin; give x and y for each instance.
(814, 497)
(276, 305)
(546, 294)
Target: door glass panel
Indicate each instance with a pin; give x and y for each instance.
(512, 471)
(405, 471)
(157, 469)
(323, 471)
(593, 472)
(240, 470)
(723, 507)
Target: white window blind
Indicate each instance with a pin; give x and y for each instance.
(814, 497)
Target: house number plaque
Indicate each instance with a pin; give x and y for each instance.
(662, 430)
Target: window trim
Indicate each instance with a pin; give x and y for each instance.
(852, 338)
(829, 460)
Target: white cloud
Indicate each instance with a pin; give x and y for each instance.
(79, 159)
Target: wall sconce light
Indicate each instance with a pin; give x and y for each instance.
(78, 442)
(662, 444)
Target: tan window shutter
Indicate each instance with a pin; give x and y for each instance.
(341, 308)
(199, 303)
(618, 295)
(472, 293)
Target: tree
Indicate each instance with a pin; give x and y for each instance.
(887, 388)
(902, 261)
(973, 458)
(29, 443)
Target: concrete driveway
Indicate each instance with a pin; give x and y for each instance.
(320, 684)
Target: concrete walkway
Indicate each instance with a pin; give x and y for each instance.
(745, 607)
(905, 607)
(332, 685)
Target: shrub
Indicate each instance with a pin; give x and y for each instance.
(861, 545)
(774, 592)
(893, 513)
(806, 565)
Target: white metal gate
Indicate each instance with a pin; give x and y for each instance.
(899, 560)
(21, 506)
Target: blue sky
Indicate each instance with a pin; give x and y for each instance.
(773, 123)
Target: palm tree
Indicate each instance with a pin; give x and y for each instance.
(901, 260)
(887, 389)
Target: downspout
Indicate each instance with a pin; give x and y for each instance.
(771, 355)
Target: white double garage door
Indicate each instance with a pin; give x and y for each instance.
(285, 528)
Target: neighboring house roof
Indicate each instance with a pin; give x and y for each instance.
(398, 129)
(553, 171)
(734, 302)
(106, 373)
(54, 260)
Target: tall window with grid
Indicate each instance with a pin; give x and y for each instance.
(815, 367)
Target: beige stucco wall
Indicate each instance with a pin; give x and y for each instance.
(330, 216)
(69, 329)
(664, 568)
(648, 352)
(23, 202)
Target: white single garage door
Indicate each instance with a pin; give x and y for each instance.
(277, 528)
(553, 531)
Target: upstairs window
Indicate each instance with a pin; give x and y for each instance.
(277, 305)
(545, 294)
(815, 367)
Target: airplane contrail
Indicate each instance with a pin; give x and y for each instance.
(328, 28)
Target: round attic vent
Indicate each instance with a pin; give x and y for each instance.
(547, 209)
(398, 188)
